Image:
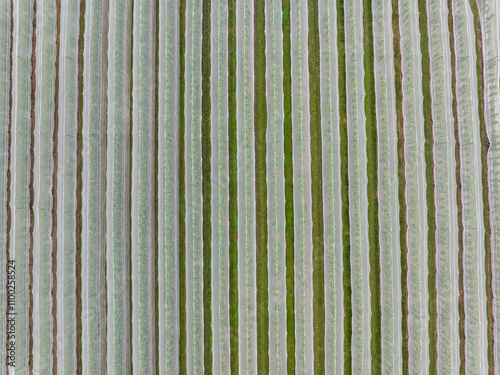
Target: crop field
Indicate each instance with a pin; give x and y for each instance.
(250, 186)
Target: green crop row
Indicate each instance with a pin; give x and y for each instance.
(143, 188)
(482, 49)
(276, 243)
(246, 187)
(43, 171)
(357, 143)
(470, 165)
(302, 183)
(332, 201)
(118, 183)
(220, 193)
(289, 215)
(444, 193)
(388, 208)
(233, 191)
(20, 169)
(93, 234)
(67, 315)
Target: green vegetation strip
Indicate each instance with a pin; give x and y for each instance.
(316, 189)
(346, 242)
(260, 128)
(402, 182)
(206, 152)
(461, 298)
(429, 174)
(371, 153)
(288, 146)
(485, 145)
(233, 193)
(182, 193)
(155, 206)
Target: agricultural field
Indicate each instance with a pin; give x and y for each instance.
(250, 186)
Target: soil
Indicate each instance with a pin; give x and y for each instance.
(78, 255)
(31, 189)
(55, 142)
(485, 145)
(402, 182)
(461, 302)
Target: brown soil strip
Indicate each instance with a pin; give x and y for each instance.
(233, 185)
(461, 302)
(316, 189)
(260, 111)
(485, 146)
(182, 198)
(206, 186)
(78, 214)
(31, 189)
(55, 159)
(402, 181)
(429, 173)
(9, 157)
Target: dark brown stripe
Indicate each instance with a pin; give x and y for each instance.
(260, 129)
(485, 146)
(55, 158)
(461, 298)
(78, 214)
(206, 171)
(403, 224)
(31, 189)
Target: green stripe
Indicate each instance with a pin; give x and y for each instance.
(316, 189)
(372, 167)
(260, 128)
(233, 193)
(182, 196)
(289, 235)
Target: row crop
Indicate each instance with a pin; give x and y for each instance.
(276, 242)
(332, 201)
(118, 166)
